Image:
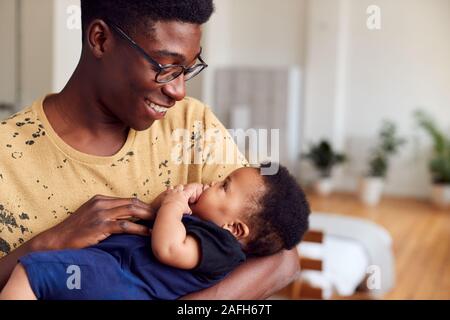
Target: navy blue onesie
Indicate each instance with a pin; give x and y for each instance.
(123, 267)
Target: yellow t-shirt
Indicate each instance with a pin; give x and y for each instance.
(43, 180)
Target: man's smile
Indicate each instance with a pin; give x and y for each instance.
(157, 108)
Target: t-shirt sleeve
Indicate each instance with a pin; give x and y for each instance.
(220, 251)
(221, 154)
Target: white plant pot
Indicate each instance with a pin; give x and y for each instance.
(324, 186)
(440, 195)
(371, 190)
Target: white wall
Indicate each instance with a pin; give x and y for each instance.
(216, 46)
(267, 32)
(7, 52)
(357, 77)
(66, 42)
(323, 31)
(49, 49)
(253, 33)
(37, 53)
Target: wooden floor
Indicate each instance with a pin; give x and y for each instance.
(421, 236)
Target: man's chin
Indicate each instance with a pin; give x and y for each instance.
(142, 126)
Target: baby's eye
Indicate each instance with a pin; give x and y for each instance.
(225, 185)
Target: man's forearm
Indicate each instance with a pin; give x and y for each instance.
(257, 279)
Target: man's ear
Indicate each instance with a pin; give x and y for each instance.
(238, 228)
(97, 35)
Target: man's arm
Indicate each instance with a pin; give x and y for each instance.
(256, 279)
(94, 221)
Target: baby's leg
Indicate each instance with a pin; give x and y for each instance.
(18, 287)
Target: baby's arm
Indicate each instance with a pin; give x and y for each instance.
(18, 286)
(171, 244)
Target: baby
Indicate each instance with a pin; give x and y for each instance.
(200, 234)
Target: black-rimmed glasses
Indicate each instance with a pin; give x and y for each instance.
(165, 73)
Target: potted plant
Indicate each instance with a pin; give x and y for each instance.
(439, 165)
(324, 158)
(371, 186)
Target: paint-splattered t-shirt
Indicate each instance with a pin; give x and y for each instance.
(43, 180)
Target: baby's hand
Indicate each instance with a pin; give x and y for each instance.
(195, 190)
(178, 197)
(157, 202)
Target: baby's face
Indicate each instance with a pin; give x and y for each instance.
(226, 201)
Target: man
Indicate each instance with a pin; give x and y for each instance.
(110, 132)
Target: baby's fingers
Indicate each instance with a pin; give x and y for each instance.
(194, 191)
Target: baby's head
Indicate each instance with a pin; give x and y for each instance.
(265, 213)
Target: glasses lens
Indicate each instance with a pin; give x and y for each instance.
(194, 71)
(168, 74)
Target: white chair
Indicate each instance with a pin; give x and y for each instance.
(352, 252)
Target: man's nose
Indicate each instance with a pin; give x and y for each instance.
(176, 89)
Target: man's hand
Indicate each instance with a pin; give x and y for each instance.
(95, 221)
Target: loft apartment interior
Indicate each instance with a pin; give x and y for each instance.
(360, 93)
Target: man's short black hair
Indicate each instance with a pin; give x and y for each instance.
(136, 15)
(282, 217)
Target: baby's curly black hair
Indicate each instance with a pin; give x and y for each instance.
(281, 219)
(135, 15)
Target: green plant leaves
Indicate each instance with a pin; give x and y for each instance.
(440, 163)
(323, 157)
(388, 145)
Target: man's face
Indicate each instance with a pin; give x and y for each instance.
(129, 90)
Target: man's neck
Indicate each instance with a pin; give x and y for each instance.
(80, 119)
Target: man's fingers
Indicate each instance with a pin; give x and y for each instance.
(129, 211)
(105, 202)
(124, 226)
(100, 196)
